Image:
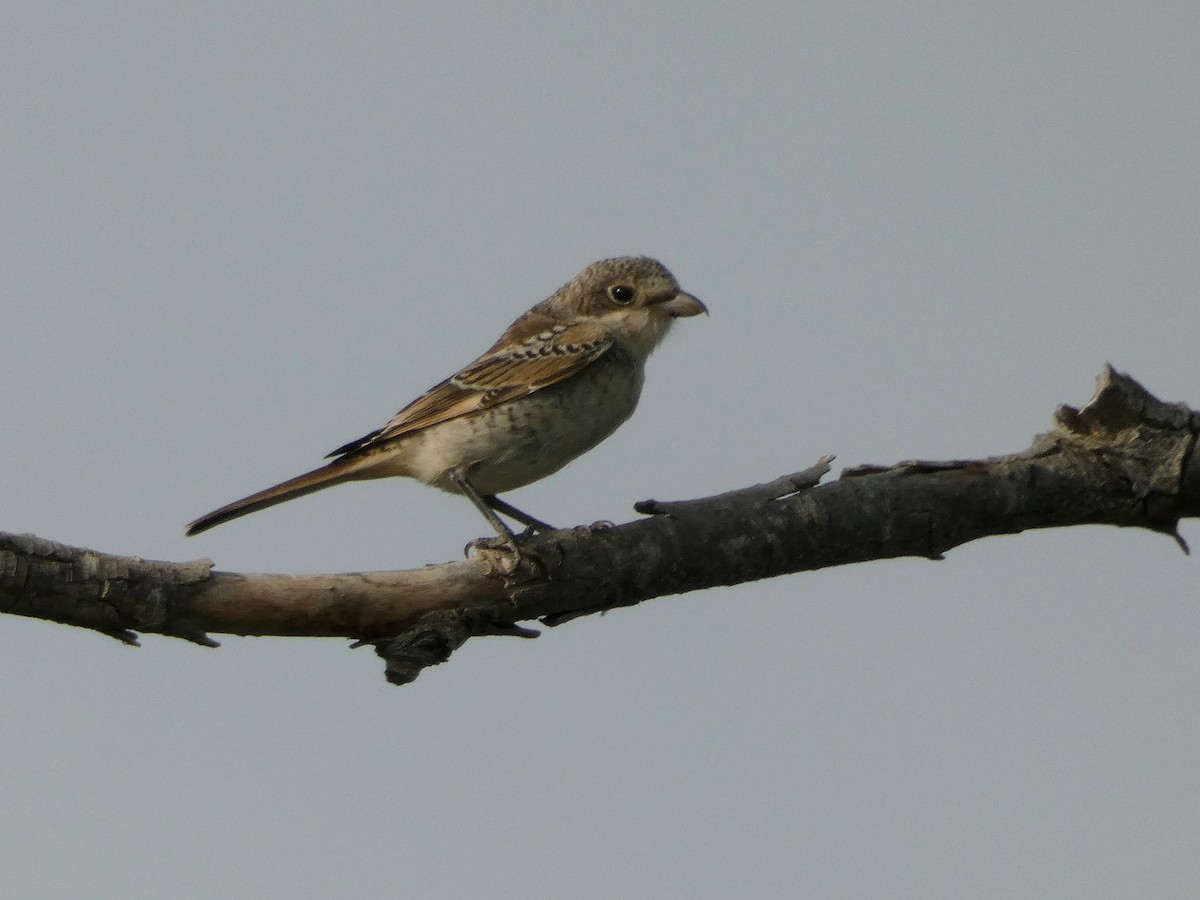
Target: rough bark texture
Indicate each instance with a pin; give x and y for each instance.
(1125, 459)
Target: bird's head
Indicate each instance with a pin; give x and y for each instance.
(634, 298)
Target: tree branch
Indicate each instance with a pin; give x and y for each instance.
(1125, 459)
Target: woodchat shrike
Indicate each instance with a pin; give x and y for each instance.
(558, 382)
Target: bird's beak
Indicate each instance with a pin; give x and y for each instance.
(684, 304)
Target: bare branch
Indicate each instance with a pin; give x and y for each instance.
(1125, 459)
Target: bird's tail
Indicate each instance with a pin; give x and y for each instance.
(318, 479)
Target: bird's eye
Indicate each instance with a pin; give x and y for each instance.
(621, 293)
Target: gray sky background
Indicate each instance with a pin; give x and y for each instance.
(237, 235)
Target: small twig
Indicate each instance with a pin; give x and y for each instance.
(755, 494)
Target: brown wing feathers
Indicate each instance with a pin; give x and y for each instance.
(546, 357)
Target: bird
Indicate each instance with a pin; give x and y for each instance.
(563, 377)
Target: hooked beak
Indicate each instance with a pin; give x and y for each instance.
(684, 304)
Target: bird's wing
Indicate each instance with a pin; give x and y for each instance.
(535, 352)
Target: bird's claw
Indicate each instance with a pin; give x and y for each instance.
(512, 543)
(506, 554)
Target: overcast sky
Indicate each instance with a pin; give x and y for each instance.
(236, 236)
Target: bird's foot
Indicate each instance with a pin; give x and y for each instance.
(507, 555)
(510, 542)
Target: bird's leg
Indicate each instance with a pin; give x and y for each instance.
(460, 481)
(512, 512)
(526, 560)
